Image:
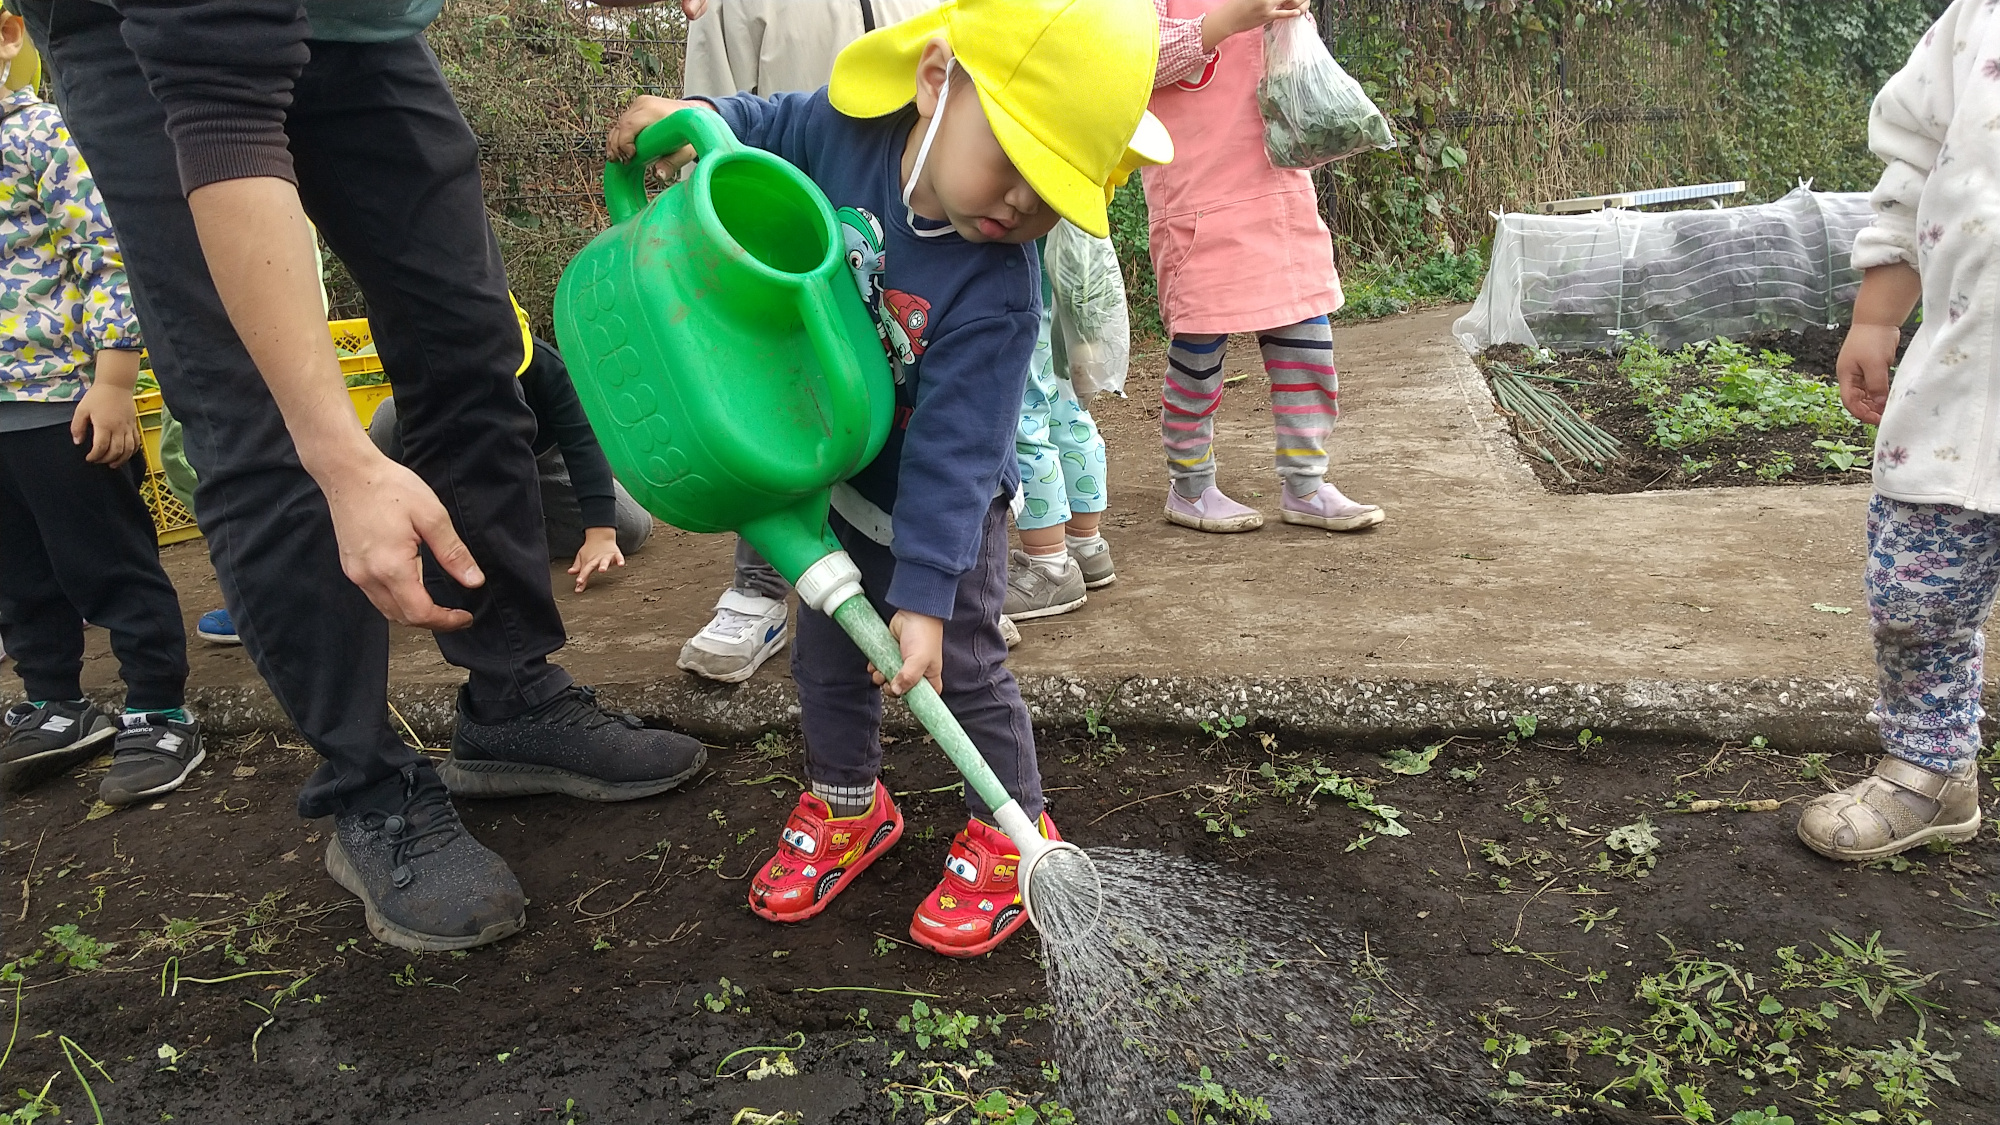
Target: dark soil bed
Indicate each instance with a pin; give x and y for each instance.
(1495, 909)
(1603, 397)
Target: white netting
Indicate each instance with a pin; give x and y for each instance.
(1568, 281)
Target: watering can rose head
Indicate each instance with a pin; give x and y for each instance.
(1059, 119)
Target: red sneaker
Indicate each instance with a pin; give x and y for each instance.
(821, 854)
(977, 905)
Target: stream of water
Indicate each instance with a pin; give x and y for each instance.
(1192, 966)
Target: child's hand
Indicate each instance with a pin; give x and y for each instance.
(1246, 15)
(1863, 369)
(643, 111)
(922, 638)
(597, 556)
(110, 421)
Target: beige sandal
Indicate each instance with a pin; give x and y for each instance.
(1871, 819)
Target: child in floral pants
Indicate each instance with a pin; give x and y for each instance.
(1934, 523)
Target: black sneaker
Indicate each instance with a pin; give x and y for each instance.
(423, 880)
(41, 740)
(151, 755)
(568, 745)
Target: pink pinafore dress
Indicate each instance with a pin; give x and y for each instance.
(1237, 245)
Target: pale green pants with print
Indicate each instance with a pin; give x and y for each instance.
(1059, 449)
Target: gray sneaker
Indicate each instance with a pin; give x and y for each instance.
(152, 755)
(39, 741)
(1096, 566)
(1031, 593)
(424, 882)
(568, 745)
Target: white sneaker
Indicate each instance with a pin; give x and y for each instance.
(1010, 632)
(746, 630)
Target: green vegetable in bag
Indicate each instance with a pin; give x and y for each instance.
(1314, 112)
(1093, 327)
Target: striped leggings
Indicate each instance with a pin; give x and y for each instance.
(1305, 401)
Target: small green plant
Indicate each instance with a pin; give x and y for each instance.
(1411, 762)
(726, 997)
(1590, 919)
(1211, 1103)
(1841, 456)
(1467, 773)
(1812, 767)
(1524, 729)
(773, 746)
(34, 1107)
(953, 1030)
(884, 947)
(1587, 739)
(1775, 465)
(77, 949)
(170, 1057)
(1769, 1115)
(1223, 727)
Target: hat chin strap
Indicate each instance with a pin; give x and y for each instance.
(923, 153)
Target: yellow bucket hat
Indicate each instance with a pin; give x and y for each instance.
(1064, 84)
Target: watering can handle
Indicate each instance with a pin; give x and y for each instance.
(625, 181)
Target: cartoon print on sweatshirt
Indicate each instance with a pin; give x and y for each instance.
(900, 318)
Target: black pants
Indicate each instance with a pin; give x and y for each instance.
(76, 544)
(389, 172)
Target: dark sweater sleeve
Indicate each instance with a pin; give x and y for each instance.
(560, 421)
(957, 451)
(787, 125)
(223, 71)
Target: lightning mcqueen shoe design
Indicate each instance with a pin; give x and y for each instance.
(820, 855)
(978, 904)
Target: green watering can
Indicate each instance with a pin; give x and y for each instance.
(734, 376)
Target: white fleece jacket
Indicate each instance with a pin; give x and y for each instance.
(1936, 124)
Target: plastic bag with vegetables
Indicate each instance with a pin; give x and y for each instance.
(1313, 111)
(1093, 328)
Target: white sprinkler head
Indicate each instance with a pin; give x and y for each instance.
(1035, 850)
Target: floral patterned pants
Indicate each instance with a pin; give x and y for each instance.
(1932, 573)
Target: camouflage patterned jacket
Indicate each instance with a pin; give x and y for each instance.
(63, 295)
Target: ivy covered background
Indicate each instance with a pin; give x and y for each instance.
(1498, 103)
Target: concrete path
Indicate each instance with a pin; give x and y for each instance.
(1481, 597)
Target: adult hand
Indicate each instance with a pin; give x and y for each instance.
(922, 640)
(1863, 369)
(382, 514)
(106, 419)
(598, 555)
(643, 111)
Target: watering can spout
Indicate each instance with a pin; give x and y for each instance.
(1059, 885)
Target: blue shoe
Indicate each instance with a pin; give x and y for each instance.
(216, 628)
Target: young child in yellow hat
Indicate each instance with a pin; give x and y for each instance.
(948, 143)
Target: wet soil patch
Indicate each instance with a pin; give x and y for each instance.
(1599, 394)
(610, 1007)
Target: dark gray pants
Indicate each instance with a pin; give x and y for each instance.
(755, 576)
(562, 516)
(389, 172)
(841, 708)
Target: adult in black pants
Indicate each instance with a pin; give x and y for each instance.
(263, 112)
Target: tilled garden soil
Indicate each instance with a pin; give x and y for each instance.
(1604, 398)
(1505, 908)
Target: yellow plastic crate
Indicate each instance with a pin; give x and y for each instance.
(171, 519)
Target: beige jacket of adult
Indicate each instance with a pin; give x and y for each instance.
(1936, 124)
(773, 46)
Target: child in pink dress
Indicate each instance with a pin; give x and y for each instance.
(1238, 246)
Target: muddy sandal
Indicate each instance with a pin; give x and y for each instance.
(1880, 815)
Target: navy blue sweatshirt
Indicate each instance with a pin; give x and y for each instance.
(958, 320)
